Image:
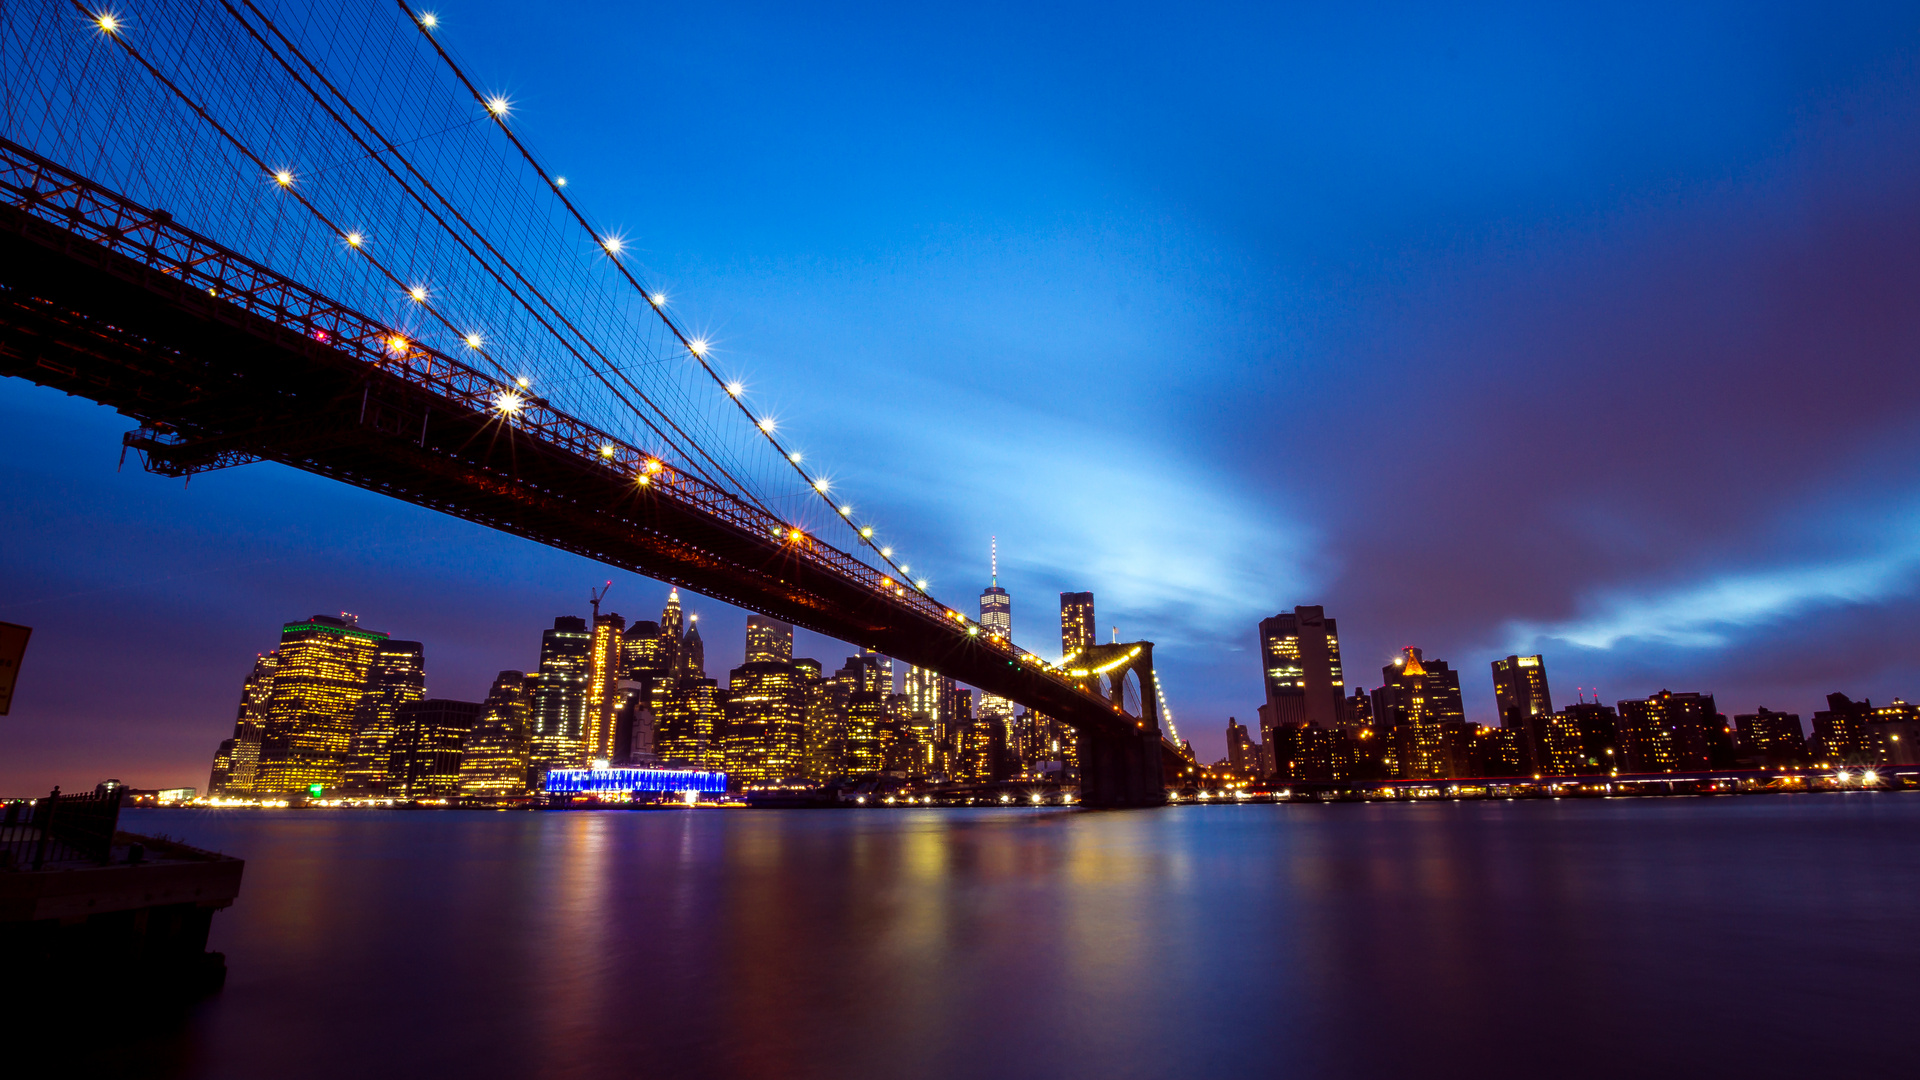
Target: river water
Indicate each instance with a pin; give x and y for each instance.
(1771, 935)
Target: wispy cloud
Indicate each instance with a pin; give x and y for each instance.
(1158, 534)
(1707, 614)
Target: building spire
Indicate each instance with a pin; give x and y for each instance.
(996, 559)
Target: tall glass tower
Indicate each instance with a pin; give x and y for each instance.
(996, 607)
(558, 736)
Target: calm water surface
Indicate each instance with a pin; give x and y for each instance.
(1638, 938)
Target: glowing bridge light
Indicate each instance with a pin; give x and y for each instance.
(973, 631)
(735, 388)
(397, 343)
(559, 181)
(474, 341)
(845, 511)
(654, 465)
(283, 178)
(886, 553)
(698, 346)
(354, 239)
(606, 451)
(613, 244)
(820, 485)
(904, 568)
(766, 423)
(866, 531)
(108, 22)
(624, 781)
(794, 457)
(643, 479)
(509, 403)
(921, 584)
(498, 105)
(1870, 777)
(659, 299)
(796, 536)
(429, 20)
(419, 293)
(524, 382)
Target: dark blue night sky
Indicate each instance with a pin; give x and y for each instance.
(1503, 328)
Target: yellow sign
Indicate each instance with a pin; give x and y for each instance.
(13, 646)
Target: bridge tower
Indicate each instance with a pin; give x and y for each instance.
(1120, 768)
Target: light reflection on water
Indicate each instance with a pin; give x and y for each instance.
(1566, 939)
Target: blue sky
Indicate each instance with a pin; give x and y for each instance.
(1495, 328)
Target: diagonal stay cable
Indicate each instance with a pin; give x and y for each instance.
(247, 151)
(390, 148)
(695, 349)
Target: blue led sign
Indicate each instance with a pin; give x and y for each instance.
(619, 781)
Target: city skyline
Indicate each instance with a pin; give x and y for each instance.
(517, 493)
(1398, 276)
(779, 718)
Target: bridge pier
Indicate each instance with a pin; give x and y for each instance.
(1121, 770)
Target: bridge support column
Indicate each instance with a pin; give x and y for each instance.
(1121, 770)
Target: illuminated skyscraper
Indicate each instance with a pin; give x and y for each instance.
(925, 695)
(693, 652)
(1894, 733)
(427, 747)
(557, 739)
(1526, 705)
(996, 607)
(766, 709)
(1420, 704)
(673, 629)
(931, 717)
(399, 677)
(883, 667)
(823, 748)
(645, 654)
(689, 725)
(766, 724)
(649, 681)
(1840, 735)
(1242, 756)
(1300, 654)
(1077, 628)
(218, 778)
(607, 662)
(242, 763)
(996, 620)
(1670, 732)
(865, 713)
(324, 667)
(842, 740)
(1582, 739)
(493, 762)
(1359, 709)
(769, 641)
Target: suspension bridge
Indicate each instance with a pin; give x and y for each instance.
(309, 234)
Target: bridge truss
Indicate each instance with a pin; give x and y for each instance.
(224, 359)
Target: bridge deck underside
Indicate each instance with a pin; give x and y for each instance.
(92, 322)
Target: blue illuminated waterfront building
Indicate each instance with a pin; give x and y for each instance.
(622, 781)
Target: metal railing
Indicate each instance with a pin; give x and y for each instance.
(56, 195)
(59, 828)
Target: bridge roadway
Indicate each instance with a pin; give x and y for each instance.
(224, 361)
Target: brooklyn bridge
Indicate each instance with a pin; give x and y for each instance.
(312, 236)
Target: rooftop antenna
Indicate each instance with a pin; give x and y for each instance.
(996, 560)
(598, 595)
